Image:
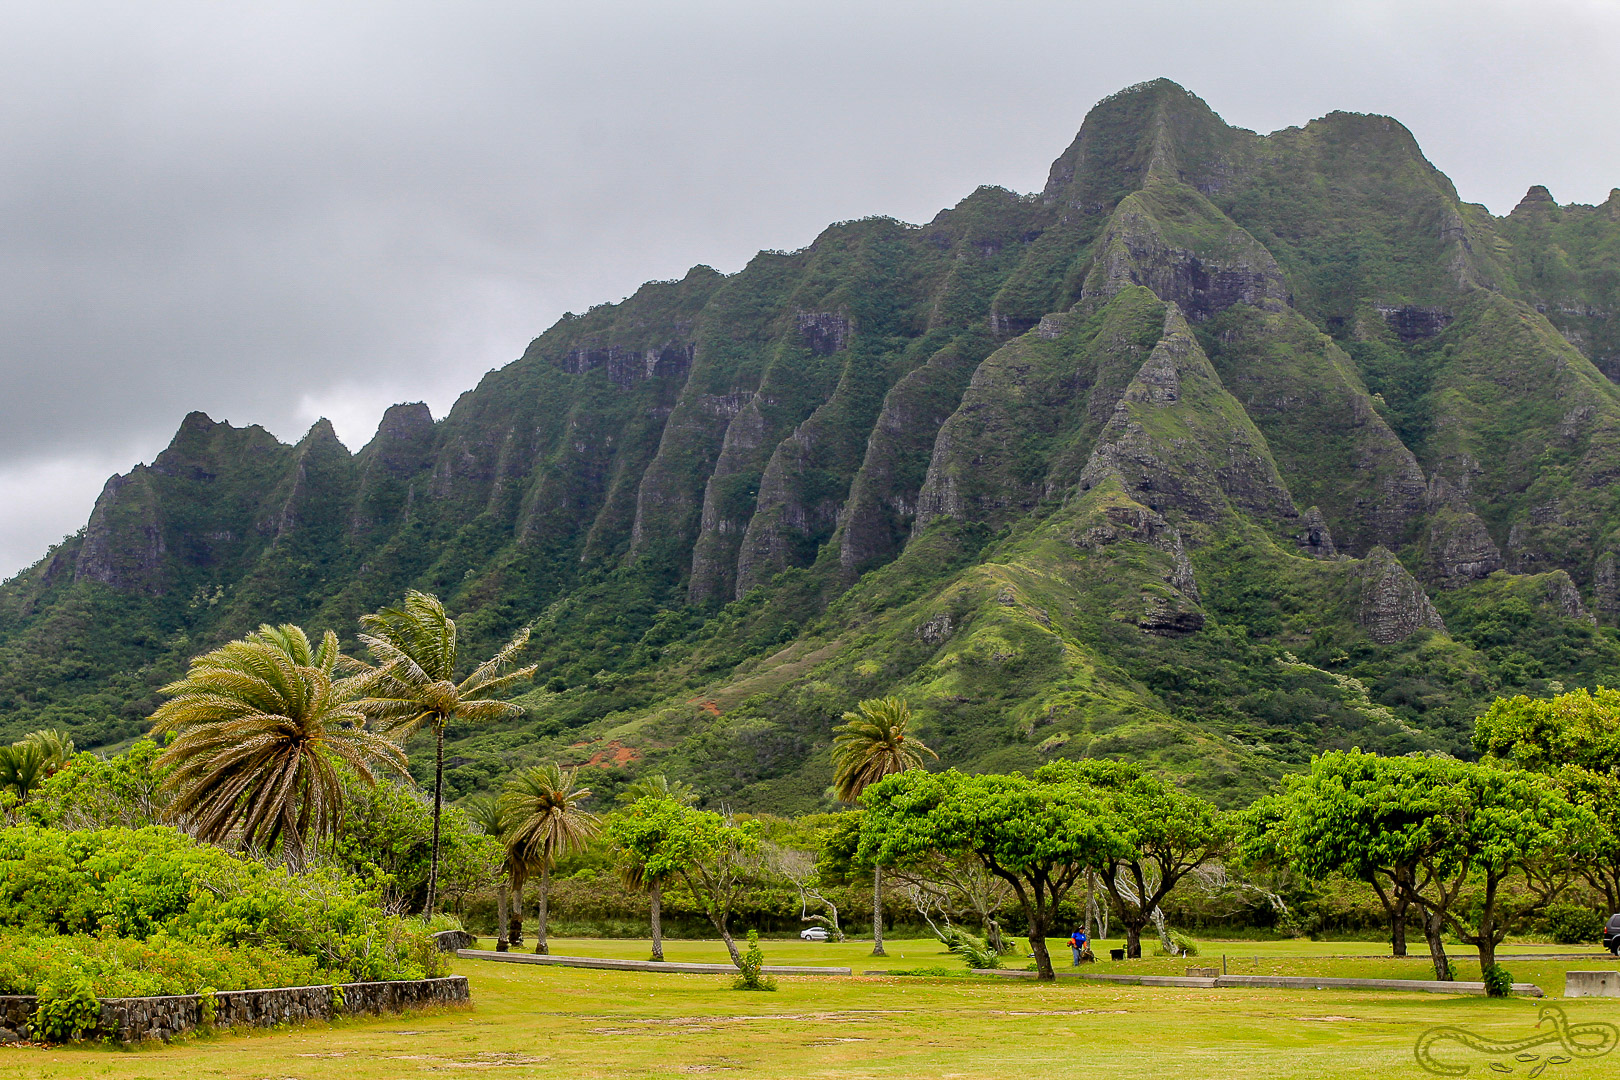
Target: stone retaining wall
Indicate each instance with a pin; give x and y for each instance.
(134, 1019)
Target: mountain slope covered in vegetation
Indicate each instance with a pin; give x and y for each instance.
(1220, 450)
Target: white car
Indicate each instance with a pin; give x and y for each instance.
(815, 933)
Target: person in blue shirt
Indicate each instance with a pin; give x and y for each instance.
(1078, 943)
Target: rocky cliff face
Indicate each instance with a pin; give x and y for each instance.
(1045, 456)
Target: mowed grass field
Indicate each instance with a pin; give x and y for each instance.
(532, 1021)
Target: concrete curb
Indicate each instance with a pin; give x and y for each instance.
(1280, 982)
(604, 964)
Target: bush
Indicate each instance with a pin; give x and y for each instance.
(1570, 924)
(64, 1013)
(159, 887)
(123, 967)
(1498, 982)
(753, 959)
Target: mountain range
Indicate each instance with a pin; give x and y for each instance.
(1220, 450)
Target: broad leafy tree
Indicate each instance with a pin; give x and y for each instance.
(1542, 734)
(873, 743)
(1038, 837)
(713, 855)
(414, 686)
(260, 727)
(546, 820)
(1363, 816)
(633, 870)
(1166, 834)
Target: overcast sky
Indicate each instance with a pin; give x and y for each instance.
(278, 211)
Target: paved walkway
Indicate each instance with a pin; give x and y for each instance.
(638, 965)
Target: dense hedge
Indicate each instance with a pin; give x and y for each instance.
(152, 907)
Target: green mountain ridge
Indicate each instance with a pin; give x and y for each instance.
(1221, 450)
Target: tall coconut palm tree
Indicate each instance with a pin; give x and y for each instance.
(870, 744)
(485, 812)
(414, 686)
(260, 726)
(632, 869)
(546, 823)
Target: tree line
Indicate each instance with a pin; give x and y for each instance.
(271, 736)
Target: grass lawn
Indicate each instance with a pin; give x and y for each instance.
(530, 1021)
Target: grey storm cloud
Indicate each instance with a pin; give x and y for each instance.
(275, 211)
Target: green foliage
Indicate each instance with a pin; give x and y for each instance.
(975, 953)
(1581, 728)
(753, 959)
(111, 966)
(1498, 980)
(1571, 924)
(65, 1012)
(155, 883)
(93, 792)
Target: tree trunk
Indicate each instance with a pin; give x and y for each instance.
(541, 910)
(1487, 952)
(655, 894)
(1397, 931)
(438, 809)
(517, 913)
(1133, 942)
(877, 911)
(1437, 948)
(502, 943)
(720, 924)
(1037, 945)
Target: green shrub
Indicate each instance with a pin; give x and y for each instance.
(123, 967)
(1498, 982)
(65, 1012)
(1570, 924)
(753, 959)
(157, 886)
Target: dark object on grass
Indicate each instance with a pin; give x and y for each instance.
(1116, 954)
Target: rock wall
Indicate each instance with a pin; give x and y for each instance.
(129, 1020)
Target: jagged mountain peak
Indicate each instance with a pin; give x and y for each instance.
(1036, 465)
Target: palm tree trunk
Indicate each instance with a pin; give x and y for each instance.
(877, 911)
(501, 941)
(540, 945)
(438, 808)
(517, 911)
(655, 893)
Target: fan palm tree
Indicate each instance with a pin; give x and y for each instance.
(486, 813)
(543, 806)
(414, 686)
(632, 869)
(870, 744)
(260, 726)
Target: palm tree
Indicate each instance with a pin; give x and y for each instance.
(632, 869)
(260, 726)
(547, 823)
(55, 744)
(22, 768)
(485, 812)
(869, 745)
(413, 686)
